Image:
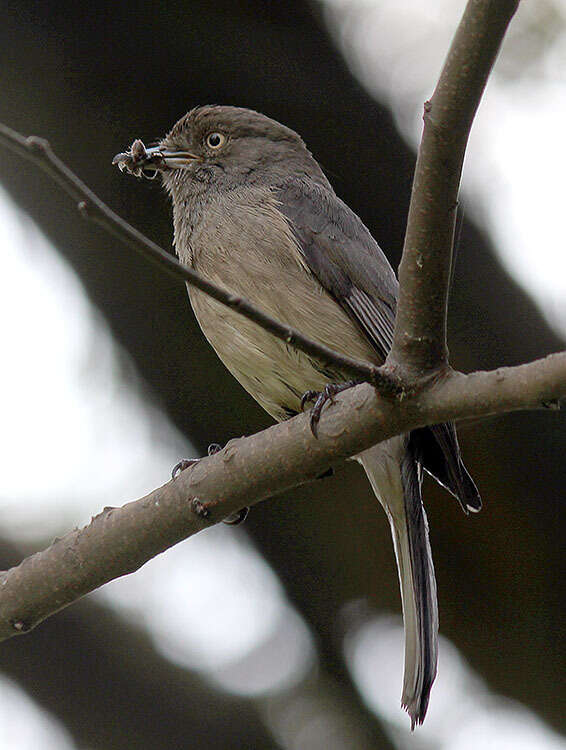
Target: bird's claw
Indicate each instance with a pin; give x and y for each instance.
(320, 398)
(183, 464)
(307, 397)
(234, 519)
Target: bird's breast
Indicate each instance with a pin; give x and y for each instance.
(246, 245)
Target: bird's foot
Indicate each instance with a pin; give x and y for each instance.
(185, 463)
(320, 398)
(234, 519)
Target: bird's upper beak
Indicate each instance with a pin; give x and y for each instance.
(147, 162)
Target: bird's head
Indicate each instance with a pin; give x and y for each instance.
(223, 146)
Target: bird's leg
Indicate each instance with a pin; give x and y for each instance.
(234, 519)
(321, 397)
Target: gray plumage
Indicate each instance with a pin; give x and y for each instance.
(254, 212)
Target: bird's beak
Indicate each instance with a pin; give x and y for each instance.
(147, 162)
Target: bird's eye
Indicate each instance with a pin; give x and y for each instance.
(215, 140)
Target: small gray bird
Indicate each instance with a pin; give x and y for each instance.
(253, 211)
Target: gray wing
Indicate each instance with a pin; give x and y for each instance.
(344, 257)
(340, 251)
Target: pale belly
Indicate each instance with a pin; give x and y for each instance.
(273, 372)
(246, 246)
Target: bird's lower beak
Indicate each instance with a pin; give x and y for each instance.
(147, 162)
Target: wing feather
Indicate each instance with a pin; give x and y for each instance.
(344, 257)
(341, 253)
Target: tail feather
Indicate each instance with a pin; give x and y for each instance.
(394, 474)
(437, 449)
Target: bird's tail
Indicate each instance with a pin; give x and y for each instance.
(395, 477)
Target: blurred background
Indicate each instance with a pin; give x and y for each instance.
(286, 632)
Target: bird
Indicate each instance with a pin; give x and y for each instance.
(254, 212)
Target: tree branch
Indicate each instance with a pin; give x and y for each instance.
(91, 207)
(120, 540)
(424, 273)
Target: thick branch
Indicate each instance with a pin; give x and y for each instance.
(424, 274)
(119, 540)
(91, 207)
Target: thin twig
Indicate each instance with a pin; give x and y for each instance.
(424, 274)
(91, 207)
(120, 540)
